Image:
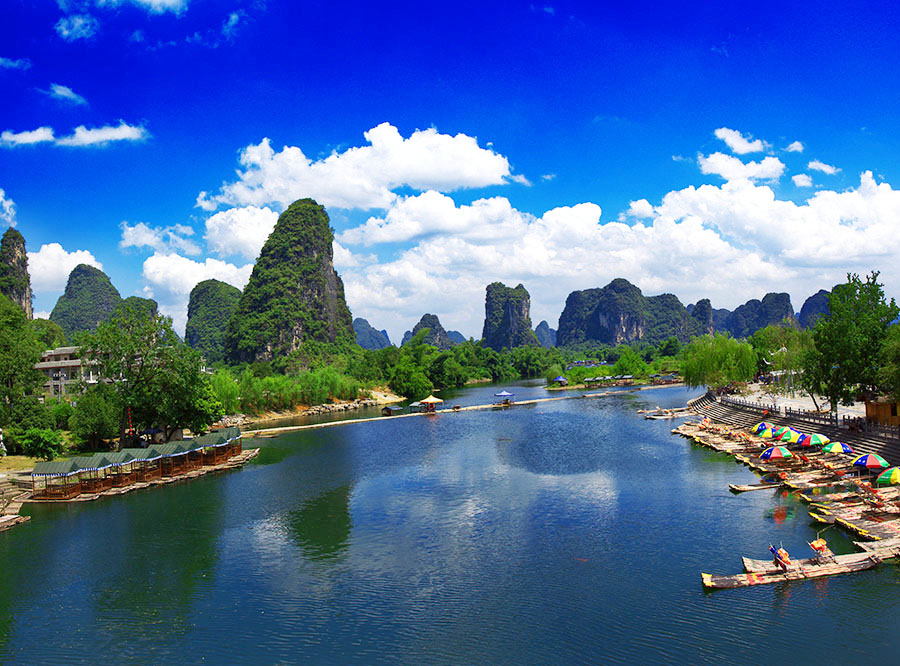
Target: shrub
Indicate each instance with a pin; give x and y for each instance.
(41, 443)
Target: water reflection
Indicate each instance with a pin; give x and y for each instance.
(321, 526)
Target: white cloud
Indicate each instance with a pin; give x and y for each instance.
(41, 314)
(160, 6)
(433, 213)
(170, 277)
(362, 177)
(100, 136)
(160, 239)
(802, 180)
(50, 266)
(548, 176)
(82, 136)
(738, 143)
(795, 147)
(640, 209)
(240, 231)
(77, 26)
(39, 135)
(824, 168)
(7, 209)
(685, 244)
(65, 93)
(9, 63)
(229, 26)
(731, 168)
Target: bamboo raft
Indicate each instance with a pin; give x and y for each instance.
(737, 488)
(842, 564)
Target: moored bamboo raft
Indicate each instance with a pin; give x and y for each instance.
(842, 564)
(738, 488)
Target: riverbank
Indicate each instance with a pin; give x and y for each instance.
(378, 397)
(757, 393)
(581, 387)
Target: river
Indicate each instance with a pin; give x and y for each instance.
(567, 532)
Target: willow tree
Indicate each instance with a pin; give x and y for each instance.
(717, 360)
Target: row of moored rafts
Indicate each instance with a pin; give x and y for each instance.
(865, 499)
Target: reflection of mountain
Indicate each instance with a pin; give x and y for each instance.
(321, 526)
(160, 554)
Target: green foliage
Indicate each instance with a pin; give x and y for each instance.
(250, 394)
(630, 363)
(889, 376)
(670, 347)
(19, 351)
(211, 306)
(89, 299)
(96, 416)
(156, 375)
(48, 333)
(41, 443)
(61, 412)
(849, 341)
(293, 295)
(717, 360)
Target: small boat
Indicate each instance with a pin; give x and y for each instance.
(738, 488)
(782, 568)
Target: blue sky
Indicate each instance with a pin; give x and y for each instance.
(709, 151)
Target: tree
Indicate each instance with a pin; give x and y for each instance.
(48, 333)
(849, 341)
(154, 374)
(717, 360)
(96, 415)
(889, 376)
(19, 351)
(41, 443)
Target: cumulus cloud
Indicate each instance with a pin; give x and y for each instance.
(738, 143)
(101, 136)
(50, 266)
(159, 239)
(731, 168)
(160, 6)
(77, 26)
(39, 135)
(169, 278)
(364, 176)
(65, 94)
(686, 244)
(802, 180)
(824, 168)
(7, 209)
(9, 63)
(240, 231)
(795, 147)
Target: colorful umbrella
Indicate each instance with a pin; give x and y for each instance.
(780, 430)
(776, 453)
(871, 461)
(837, 447)
(814, 440)
(889, 477)
(791, 436)
(763, 425)
(768, 433)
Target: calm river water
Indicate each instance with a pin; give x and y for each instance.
(569, 532)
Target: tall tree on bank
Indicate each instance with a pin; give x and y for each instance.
(849, 341)
(19, 351)
(155, 374)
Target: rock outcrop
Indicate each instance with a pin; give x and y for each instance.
(619, 313)
(507, 317)
(294, 293)
(89, 300)
(546, 336)
(753, 315)
(814, 307)
(210, 308)
(15, 283)
(369, 337)
(436, 335)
